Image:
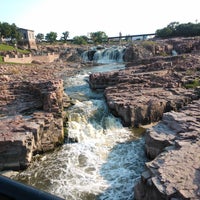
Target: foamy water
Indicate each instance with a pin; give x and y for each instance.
(104, 163)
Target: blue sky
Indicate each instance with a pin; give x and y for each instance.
(80, 17)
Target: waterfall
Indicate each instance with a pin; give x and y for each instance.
(104, 161)
(104, 55)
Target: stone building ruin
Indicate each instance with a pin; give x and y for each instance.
(28, 38)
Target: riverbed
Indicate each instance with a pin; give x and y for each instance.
(101, 159)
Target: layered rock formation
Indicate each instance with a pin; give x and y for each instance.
(31, 106)
(141, 94)
(154, 89)
(149, 49)
(31, 111)
(174, 173)
(31, 120)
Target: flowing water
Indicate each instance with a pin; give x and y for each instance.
(105, 161)
(105, 55)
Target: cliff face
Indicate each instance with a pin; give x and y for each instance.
(32, 123)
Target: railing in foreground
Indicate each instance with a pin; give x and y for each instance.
(13, 190)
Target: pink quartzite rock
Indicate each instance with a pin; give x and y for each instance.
(141, 94)
(175, 172)
(41, 130)
(148, 92)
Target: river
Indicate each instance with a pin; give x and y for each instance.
(104, 160)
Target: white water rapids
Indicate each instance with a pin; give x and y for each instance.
(106, 160)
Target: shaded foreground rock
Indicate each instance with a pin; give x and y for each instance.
(20, 138)
(174, 173)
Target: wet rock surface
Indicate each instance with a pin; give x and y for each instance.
(21, 138)
(40, 128)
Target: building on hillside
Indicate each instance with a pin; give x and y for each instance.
(28, 38)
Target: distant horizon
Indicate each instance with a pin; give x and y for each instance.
(81, 17)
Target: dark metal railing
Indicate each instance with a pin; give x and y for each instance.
(13, 190)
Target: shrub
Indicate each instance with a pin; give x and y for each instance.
(149, 45)
(195, 83)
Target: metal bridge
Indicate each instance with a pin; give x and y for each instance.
(125, 37)
(131, 36)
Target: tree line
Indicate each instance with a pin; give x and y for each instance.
(11, 32)
(175, 29)
(95, 37)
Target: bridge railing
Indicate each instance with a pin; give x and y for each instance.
(13, 190)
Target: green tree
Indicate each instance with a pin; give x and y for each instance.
(173, 25)
(175, 29)
(164, 33)
(9, 31)
(5, 30)
(65, 35)
(15, 34)
(80, 40)
(188, 30)
(0, 31)
(99, 37)
(39, 37)
(51, 37)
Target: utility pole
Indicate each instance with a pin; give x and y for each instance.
(120, 37)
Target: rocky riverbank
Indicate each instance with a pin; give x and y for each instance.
(32, 102)
(161, 89)
(154, 86)
(175, 144)
(140, 94)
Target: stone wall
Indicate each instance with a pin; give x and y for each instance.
(50, 57)
(17, 59)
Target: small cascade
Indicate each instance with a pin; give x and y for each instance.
(102, 159)
(104, 55)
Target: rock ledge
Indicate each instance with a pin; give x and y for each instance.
(175, 144)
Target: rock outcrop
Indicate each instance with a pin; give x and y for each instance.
(175, 144)
(154, 89)
(31, 120)
(149, 49)
(31, 111)
(141, 94)
(32, 102)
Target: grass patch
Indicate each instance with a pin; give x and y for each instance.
(1, 59)
(148, 44)
(5, 47)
